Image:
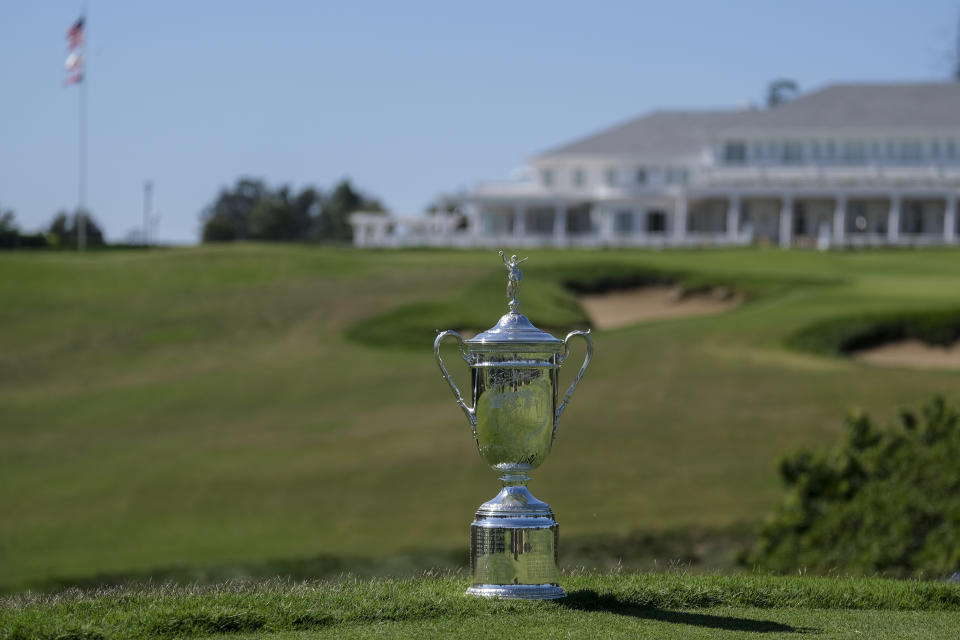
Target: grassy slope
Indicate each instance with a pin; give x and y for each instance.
(203, 405)
(627, 605)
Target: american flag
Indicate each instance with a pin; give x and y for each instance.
(74, 62)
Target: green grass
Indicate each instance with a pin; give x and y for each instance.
(214, 407)
(652, 605)
(847, 334)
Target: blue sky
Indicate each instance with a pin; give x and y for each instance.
(407, 99)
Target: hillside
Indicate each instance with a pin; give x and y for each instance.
(238, 408)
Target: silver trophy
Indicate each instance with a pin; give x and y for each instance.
(514, 365)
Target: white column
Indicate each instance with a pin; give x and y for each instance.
(474, 222)
(950, 219)
(786, 221)
(639, 226)
(560, 225)
(680, 219)
(605, 221)
(733, 218)
(520, 222)
(893, 220)
(839, 218)
(596, 224)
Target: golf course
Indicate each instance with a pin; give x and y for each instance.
(260, 410)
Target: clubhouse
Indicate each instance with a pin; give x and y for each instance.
(847, 165)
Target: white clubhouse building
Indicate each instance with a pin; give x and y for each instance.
(848, 165)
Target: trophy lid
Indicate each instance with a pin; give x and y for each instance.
(514, 328)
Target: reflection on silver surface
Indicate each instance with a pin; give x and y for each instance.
(514, 417)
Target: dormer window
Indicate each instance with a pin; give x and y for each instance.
(735, 152)
(579, 177)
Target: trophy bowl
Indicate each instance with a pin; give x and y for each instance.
(514, 417)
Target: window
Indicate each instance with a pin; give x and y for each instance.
(831, 150)
(623, 222)
(656, 222)
(856, 217)
(951, 148)
(875, 149)
(539, 221)
(546, 177)
(815, 149)
(610, 177)
(641, 176)
(792, 152)
(578, 178)
(735, 152)
(911, 150)
(854, 151)
(757, 151)
(935, 148)
(676, 175)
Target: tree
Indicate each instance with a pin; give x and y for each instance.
(63, 229)
(882, 500)
(450, 209)
(277, 217)
(228, 217)
(253, 211)
(781, 90)
(335, 217)
(9, 233)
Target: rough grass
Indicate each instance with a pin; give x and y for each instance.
(400, 606)
(204, 407)
(846, 334)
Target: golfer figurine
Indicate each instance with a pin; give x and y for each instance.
(513, 280)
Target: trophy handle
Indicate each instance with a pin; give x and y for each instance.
(583, 367)
(471, 412)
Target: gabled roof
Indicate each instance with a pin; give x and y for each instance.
(889, 106)
(661, 132)
(854, 106)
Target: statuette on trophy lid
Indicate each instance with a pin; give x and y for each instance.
(514, 416)
(513, 280)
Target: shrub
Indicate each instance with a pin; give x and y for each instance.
(843, 335)
(883, 500)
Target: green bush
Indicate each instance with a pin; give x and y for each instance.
(885, 500)
(846, 334)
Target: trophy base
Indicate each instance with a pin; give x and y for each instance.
(517, 591)
(513, 548)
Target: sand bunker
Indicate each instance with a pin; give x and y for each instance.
(623, 308)
(912, 354)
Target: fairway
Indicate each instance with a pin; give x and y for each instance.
(616, 606)
(214, 406)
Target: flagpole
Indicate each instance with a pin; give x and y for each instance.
(82, 186)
